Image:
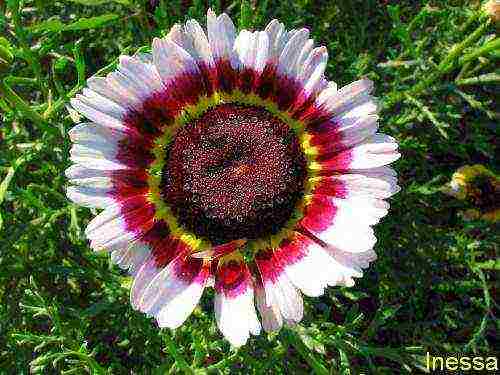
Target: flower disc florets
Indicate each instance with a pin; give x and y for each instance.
(237, 172)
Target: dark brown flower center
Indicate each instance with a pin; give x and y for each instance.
(484, 193)
(236, 172)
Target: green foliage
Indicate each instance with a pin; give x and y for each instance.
(83, 23)
(65, 309)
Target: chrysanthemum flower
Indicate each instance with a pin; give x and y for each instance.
(228, 160)
(480, 188)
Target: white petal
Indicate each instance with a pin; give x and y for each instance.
(97, 162)
(115, 90)
(327, 94)
(366, 106)
(287, 63)
(221, 35)
(82, 176)
(171, 60)
(90, 132)
(236, 316)
(128, 82)
(132, 257)
(252, 49)
(383, 186)
(142, 279)
(380, 172)
(376, 151)
(156, 294)
(312, 71)
(311, 273)
(354, 132)
(182, 39)
(179, 304)
(262, 56)
(349, 228)
(270, 315)
(360, 209)
(170, 298)
(278, 37)
(96, 146)
(82, 105)
(349, 96)
(96, 155)
(346, 235)
(89, 196)
(145, 76)
(103, 104)
(110, 226)
(144, 57)
(303, 57)
(350, 265)
(200, 43)
(283, 294)
(81, 172)
(244, 47)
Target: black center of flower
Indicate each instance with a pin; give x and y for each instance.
(236, 172)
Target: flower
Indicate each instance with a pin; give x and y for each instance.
(228, 160)
(479, 187)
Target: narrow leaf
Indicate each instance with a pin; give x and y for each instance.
(55, 25)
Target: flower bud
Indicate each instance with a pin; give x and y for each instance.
(492, 9)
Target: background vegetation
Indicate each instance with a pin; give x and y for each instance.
(65, 309)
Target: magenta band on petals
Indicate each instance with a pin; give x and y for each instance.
(226, 75)
(331, 187)
(319, 213)
(340, 162)
(232, 278)
(269, 265)
(292, 250)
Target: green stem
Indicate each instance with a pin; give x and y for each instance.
(219, 365)
(11, 80)
(425, 110)
(91, 362)
(179, 359)
(446, 65)
(448, 62)
(292, 338)
(4, 106)
(483, 79)
(463, 72)
(14, 99)
(472, 18)
(491, 46)
(30, 57)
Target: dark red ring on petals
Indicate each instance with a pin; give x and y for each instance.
(161, 108)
